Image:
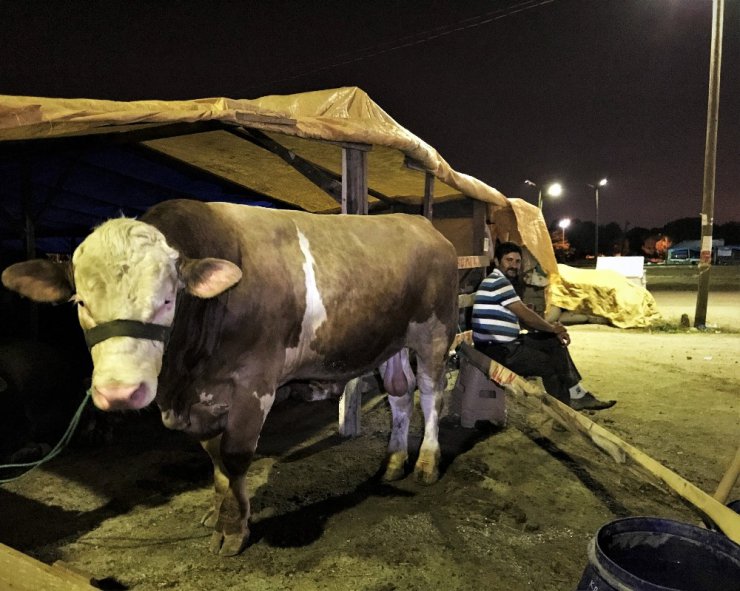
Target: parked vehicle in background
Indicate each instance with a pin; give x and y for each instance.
(688, 252)
(682, 255)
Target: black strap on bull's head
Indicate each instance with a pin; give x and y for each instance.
(127, 328)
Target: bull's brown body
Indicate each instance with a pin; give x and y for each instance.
(319, 297)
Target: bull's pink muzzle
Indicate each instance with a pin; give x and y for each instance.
(121, 396)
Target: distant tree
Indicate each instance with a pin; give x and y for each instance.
(683, 229)
(610, 239)
(561, 247)
(730, 232)
(635, 238)
(581, 238)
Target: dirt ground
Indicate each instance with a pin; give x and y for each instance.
(513, 509)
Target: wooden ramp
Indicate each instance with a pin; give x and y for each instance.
(19, 572)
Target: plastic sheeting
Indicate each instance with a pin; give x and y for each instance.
(339, 115)
(342, 114)
(603, 293)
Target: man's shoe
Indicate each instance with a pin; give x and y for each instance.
(589, 402)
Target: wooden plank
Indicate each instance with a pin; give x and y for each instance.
(245, 118)
(413, 164)
(462, 337)
(728, 479)
(23, 573)
(472, 262)
(356, 146)
(465, 300)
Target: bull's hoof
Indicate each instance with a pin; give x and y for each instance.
(426, 475)
(395, 470)
(210, 518)
(227, 545)
(426, 469)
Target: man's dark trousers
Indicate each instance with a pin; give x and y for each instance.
(537, 354)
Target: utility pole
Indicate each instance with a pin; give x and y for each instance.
(710, 160)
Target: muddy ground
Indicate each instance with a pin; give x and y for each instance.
(513, 509)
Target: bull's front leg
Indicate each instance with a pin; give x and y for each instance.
(220, 481)
(232, 453)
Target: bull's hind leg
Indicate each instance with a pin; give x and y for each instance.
(399, 382)
(426, 469)
(431, 343)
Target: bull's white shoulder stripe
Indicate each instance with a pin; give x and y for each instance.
(315, 314)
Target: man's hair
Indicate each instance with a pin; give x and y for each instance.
(505, 248)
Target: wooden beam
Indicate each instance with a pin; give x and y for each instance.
(409, 162)
(313, 173)
(472, 262)
(354, 180)
(253, 118)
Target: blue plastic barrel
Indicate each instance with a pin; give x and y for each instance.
(652, 554)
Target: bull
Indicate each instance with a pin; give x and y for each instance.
(208, 308)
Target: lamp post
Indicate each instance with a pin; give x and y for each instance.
(595, 187)
(563, 224)
(553, 190)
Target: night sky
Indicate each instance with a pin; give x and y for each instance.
(567, 90)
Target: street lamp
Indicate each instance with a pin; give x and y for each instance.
(595, 187)
(563, 224)
(553, 190)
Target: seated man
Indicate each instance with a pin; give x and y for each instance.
(497, 313)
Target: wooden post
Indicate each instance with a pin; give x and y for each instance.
(428, 194)
(354, 178)
(710, 160)
(354, 200)
(480, 211)
(350, 405)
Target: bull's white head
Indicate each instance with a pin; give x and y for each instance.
(124, 270)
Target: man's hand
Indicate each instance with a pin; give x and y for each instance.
(562, 333)
(533, 320)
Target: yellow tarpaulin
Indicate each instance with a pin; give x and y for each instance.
(333, 115)
(603, 293)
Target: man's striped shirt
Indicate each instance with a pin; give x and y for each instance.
(492, 319)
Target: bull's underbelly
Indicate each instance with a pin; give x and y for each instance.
(340, 366)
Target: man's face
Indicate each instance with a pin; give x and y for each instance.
(509, 265)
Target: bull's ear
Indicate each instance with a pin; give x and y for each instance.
(40, 280)
(206, 278)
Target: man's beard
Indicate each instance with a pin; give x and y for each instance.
(512, 274)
